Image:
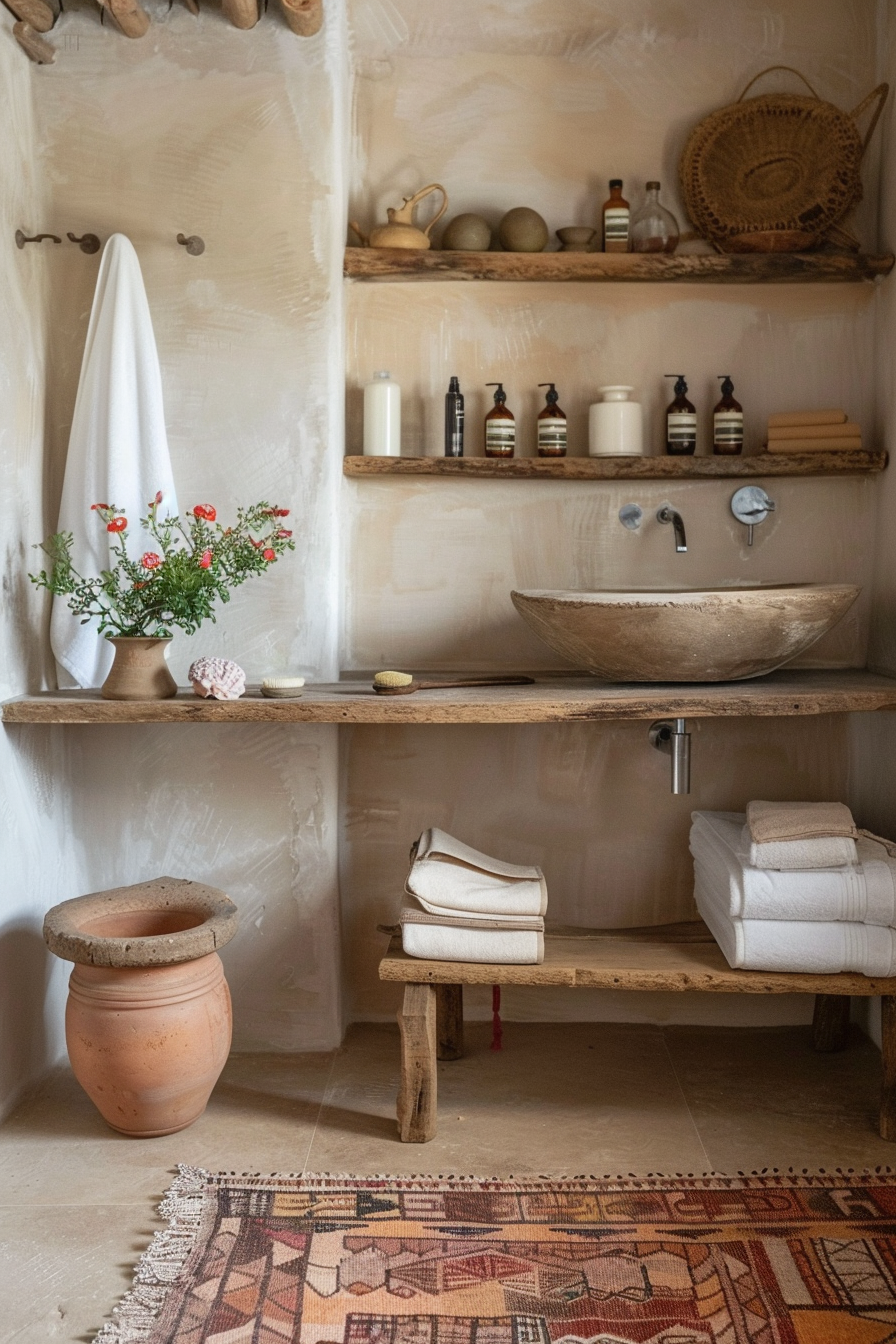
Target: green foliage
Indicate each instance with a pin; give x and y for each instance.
(198, 563)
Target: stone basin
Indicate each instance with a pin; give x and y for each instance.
(705, 634)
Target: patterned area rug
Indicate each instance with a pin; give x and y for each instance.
(769, 1259)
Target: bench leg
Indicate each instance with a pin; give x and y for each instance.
(417, 1089)
(450, 1021)
(888, 1053)
(830, 1023)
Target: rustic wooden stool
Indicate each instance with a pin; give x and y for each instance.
(678, 957)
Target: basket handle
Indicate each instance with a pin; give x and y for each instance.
(793, 72)
(880, 93)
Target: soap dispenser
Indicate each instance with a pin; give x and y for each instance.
(500, 426)
(727, 421)
(551, 425)
(681, 421)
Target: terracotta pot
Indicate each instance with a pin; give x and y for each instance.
(139, 671)
(148, 1022)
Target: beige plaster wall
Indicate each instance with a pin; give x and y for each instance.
(238, 137)
(539, 104)
(35, 871)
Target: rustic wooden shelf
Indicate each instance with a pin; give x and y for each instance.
(833, 463)
(552, 699)
(390, 263)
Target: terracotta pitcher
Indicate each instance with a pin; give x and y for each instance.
(401, 231)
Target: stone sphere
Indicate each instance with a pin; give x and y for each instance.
(467, 233)
(523, 230)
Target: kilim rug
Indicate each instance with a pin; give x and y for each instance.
(772, 1259)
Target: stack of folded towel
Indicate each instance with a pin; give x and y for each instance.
(796, 887)
(467, 906)
(812, 431)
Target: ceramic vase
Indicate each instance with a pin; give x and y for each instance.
(148, 1043)
(139, 671)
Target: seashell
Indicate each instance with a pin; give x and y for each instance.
(217, 678)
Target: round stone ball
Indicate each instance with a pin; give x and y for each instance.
(467, 233)
(523, 230)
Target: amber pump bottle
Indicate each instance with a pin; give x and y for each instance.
(500, 426)
(551, 425)
(681, 421)
(727, 421)
(616, 216)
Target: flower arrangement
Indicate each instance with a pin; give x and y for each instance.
(197, 562)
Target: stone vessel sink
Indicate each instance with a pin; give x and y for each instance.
(706, 634)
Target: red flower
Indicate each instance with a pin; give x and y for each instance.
(151, 560)
(257, 544)
(139, 585)
(276, 513)
(159, 496)
(269, 555)
(117, 525)
(205, 560)
(99, 506)
(205, 511)
(283, 533)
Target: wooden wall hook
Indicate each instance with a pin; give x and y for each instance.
(89, 243)
(304, 17)
(21, 240)
(194, 244)
(36, 48)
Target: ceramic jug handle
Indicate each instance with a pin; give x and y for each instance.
(433, 186)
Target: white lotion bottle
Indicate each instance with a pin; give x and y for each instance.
(382, 417)
(615, 425)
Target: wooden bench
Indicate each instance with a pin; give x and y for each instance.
(678, 957)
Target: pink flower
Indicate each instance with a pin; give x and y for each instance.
(205, 511)
(269, 555)
(283, 533)
(205, 560)
(159, 496)
(117, 525)
(151, 560)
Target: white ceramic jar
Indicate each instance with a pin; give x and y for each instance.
(615, 425)
(382, 417)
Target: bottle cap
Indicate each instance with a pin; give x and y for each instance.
(500, 395)
(651, 186)
(615, 182)
(454, 385)
(382, 373)
(727, 385)
(551, 395)
(681, 386)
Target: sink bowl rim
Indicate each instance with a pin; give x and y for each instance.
(678, 596)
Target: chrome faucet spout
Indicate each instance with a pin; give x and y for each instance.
(669, 515)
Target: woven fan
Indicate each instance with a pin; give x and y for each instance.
(778, 172)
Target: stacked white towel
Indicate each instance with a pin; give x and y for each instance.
(815, 919)
(467, 906)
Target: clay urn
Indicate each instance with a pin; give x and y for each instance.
(523, 230)
(148, 1021)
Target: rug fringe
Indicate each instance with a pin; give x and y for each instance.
(161, 1263)
(432, 1179)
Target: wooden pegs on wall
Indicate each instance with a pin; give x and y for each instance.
(304, 17)
(35, 47)
(241, 13)
(35, 13)
(130, 16)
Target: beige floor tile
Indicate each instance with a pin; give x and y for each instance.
(261, 1117)
(763, 1097)
(580, 1099)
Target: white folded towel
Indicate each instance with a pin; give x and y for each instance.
(817, 948)
(435, 938)
(798, 855)
(448, 877)
(117, 448)
(863, 893)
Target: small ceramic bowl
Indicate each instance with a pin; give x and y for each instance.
(577, 238)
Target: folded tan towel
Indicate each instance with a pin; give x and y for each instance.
(785, 418)
(843, 431)
(813, 445)
(772, 822)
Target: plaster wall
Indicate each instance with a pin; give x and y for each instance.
(238, 137)
(35, 870)
(523, 102)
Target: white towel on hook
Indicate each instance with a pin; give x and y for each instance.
(449, 877)
(117, 449)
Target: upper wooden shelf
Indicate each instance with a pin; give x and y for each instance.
(395, 263)
(552, 699)
(830, 463)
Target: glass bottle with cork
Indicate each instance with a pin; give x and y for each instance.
(551, 425)
(616, 216)
(681, 421)
(500, 426)
(727, 421)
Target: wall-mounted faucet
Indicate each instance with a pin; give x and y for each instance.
(666, 514)
(751, 506)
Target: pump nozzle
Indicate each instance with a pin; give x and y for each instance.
(681, 386)
(727, 385)
(500, 395)
(551, 395)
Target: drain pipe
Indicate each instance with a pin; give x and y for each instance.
(672, 737)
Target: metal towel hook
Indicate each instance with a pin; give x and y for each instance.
(89, 243)
(21, 240)
(194, 244)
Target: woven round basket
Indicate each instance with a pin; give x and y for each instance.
(776, 172)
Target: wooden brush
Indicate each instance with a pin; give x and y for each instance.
(402, 683)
